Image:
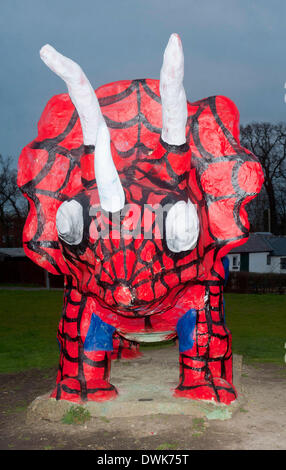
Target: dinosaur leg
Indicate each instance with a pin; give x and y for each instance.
(206, 361)
(124, 349)
(85, 352)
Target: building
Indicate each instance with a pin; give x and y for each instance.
(262, 253)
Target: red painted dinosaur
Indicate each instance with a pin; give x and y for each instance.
(135, 196)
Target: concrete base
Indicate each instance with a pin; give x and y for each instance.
(145, 387)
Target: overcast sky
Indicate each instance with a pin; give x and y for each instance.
(232, 47)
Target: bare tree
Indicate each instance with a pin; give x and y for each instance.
(281, 206)
(13, 206)
(268, 142)
(258, 212)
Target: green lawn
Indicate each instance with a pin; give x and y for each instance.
(258, 326)
(29, 321)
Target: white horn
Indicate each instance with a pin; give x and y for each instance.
(182, 223)
(94, 129)
(111, 194)
(173, 96)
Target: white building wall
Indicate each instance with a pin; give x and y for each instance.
(276, 263)
(258, 263)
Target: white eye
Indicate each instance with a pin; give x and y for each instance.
(182, 227)
(69, 222)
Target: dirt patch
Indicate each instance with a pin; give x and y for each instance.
(258, 424)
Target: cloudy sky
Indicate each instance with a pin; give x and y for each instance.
(232, 47)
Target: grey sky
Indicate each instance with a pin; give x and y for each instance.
(232, 47)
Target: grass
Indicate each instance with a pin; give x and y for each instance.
(258, 326)
(29, 322)
(167, 446)
(15, 409)
(198, 427)
(76, 415)
(243, 410)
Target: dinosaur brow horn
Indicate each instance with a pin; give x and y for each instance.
(173, 96)
(182, 223)
(94, 129)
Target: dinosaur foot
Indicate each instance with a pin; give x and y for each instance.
(93, 390)
(216, 390)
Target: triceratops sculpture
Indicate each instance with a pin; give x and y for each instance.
(135, 196)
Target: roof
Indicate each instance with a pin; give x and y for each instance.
(278, 245)
(12, 252)
(263, 242)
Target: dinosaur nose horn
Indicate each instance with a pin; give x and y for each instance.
(173, 96)
(94, 129)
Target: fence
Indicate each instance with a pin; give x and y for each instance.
(256, 283)
(22, 271)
